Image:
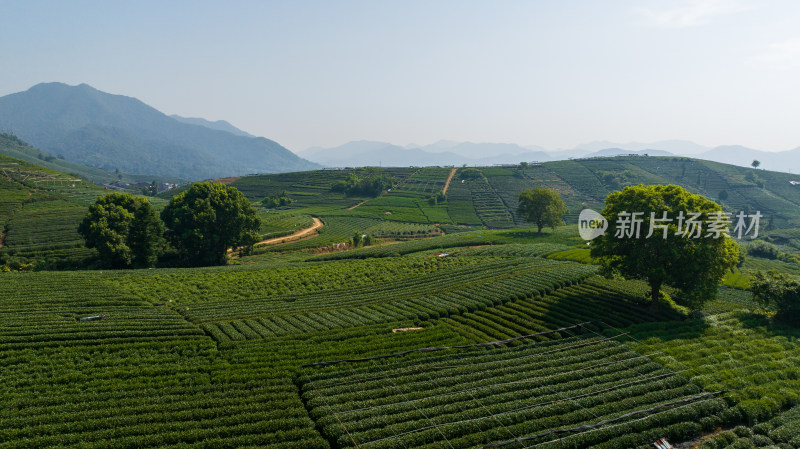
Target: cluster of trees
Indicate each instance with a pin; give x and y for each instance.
(361, 239)
(272, 202)
(371, 185)
(150, 190)
(198, 225)
(615, 179)
(778, 290)
(767, 250)
(125, 230)
(470, 173)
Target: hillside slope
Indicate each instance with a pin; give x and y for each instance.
(491, 200)
(40, 210)
(94, 128)
(11, 145)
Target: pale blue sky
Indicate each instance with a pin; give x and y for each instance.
(552, 73)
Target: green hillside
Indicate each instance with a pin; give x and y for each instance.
(411, 209)
(460, 327)
(13, 146)
(490, 201)
(40, 210)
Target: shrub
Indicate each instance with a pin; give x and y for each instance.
(779, 290)
(761, 440)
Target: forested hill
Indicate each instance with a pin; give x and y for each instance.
(113, 132)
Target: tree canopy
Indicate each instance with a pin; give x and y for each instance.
(208, 219)
(470, 173)
(272, 202)
(371, 185)
(775, 289)
(125, 230)
(541, 206)
(667, 244)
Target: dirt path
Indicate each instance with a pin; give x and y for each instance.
(353, 207)
(295, 236)
(299, 235)
(449, 178)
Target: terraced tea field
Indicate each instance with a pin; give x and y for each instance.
(574, 392)
(460, 328)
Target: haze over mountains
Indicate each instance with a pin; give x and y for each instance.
(97, 129)
(363, 152)
(219, 125)
(86, 126)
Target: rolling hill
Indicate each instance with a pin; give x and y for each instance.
(410, 209)
(13, 146)
(491, 200)
(460, 328)
(94, 128)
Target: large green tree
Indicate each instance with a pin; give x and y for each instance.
(208, 219)
(125, 230)
(684, 248)
(541, 206)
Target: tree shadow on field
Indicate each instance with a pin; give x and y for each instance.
(565, 235)
(768, 324)
(612, 313)
(698, 326)
(664, 331)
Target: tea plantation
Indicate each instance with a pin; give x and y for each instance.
(459, 327)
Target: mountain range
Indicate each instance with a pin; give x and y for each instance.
(370, 153)
(114, 132)
(83, 125)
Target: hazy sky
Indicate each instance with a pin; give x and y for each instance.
(553, 73)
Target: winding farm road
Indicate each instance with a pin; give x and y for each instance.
(299, 235)
(294, 236)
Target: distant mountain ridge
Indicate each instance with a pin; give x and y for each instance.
(369, 153)
(108, 131)
(219, 125)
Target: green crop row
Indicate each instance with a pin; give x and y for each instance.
(425, 299)
(472, 398)
(589, 301)
(782, 431)
(742, 352)
(294, 279)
